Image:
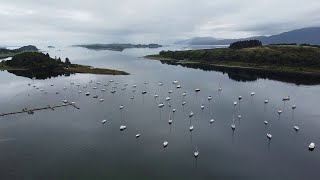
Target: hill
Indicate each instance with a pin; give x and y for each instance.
(42, 66)
(29, 48)
(299, 36)
(4, 52)
(284, 58)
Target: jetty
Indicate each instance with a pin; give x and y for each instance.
(31, 111)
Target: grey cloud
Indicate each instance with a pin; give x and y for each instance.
(144, 21)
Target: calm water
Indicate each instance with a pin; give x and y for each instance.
(73, 144)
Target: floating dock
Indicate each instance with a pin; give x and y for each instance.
(31, 111)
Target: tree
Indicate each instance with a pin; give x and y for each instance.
(67, 62)
(245, 44)
(59, 60)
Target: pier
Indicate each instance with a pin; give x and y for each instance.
(31, 111)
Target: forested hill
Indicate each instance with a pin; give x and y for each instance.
(298, 57)
(42, 66)
(35, 60)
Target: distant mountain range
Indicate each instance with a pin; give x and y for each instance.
(299, 36)
(116, 47)
(21, 49)
(4, 52)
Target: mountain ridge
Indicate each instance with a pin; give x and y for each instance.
(310, 35)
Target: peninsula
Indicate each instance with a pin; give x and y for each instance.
(39, 65)
(292, 58)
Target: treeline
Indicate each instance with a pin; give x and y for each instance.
(291, 44)
(245, 44)
(284, 44)
(36, 60)
(288, 56)
(317, 46)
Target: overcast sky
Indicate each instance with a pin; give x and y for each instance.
(146, 21)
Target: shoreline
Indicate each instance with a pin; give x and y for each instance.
(91, 70)
(82, 69)
(238, 65)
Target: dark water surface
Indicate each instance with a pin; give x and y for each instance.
(73, 144)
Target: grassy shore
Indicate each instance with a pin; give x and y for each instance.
(276, 58)
(76, 68)
(158, 57)
(8, 68)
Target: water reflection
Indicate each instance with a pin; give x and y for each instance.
(39, 73)
(80, 147)
(245, 75)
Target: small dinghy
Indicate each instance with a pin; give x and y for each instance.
(286, 98)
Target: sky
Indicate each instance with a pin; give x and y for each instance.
(70, 22)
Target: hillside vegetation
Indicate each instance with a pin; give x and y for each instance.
(36, 63)
(282, 57)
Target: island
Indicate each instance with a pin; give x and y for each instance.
(117, 47)
(41, 66)
(5, 53)
(289, 58)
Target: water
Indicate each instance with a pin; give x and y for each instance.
(73, 144)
